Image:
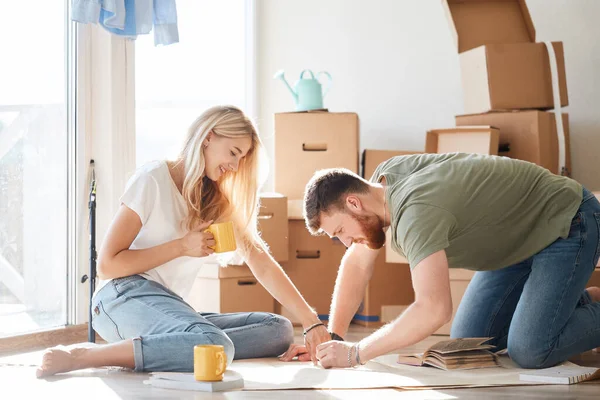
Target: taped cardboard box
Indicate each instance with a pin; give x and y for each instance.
(463, 139)
(273, 224)
(313, 263)
(228, 289)
(528, 135)
(306, 142)
(502, 68)
(372, 158)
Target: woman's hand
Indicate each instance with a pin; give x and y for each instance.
(308, 351)
(198, 243)
(295, 350)
(314, 338)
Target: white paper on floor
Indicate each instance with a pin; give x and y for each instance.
(383, 372)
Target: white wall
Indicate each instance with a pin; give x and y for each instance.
(393, 63)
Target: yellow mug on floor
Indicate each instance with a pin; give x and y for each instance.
(210, 362)
(224, 236)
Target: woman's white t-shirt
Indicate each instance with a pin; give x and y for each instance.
(152, 194)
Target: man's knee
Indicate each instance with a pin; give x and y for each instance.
(528, 353)
(462, 328)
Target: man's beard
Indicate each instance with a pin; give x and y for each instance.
(372, 228)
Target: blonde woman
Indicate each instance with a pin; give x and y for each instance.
(155, 245)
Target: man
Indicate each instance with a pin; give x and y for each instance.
(532, 236)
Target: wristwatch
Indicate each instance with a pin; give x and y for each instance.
(335, 336)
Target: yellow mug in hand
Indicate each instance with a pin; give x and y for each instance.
(224, 236)
(210, 362)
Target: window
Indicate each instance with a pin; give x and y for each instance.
(174, 84)
(34, 153)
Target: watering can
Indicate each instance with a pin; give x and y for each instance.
(307, 92)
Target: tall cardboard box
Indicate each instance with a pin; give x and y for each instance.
(306, 142)
(502, 68)
(227, 290)
(313, 263)
(530, 135)
(273, 224)
(464, 139)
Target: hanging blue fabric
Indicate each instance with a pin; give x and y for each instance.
(129, 18)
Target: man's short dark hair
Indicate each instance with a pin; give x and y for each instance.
(326, 191)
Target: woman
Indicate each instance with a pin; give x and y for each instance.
(155, 245)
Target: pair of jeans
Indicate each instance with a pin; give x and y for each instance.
(539, 309)
(165, 329)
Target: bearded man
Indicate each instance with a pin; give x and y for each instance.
(532, 237)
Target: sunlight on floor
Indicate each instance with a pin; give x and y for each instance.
(384, 394)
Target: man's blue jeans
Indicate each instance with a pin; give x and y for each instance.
(165, 329)
(539, 308)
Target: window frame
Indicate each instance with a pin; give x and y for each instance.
(101, 127)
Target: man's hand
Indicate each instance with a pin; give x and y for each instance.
(314, 338)
(334, 354)
(295, 350)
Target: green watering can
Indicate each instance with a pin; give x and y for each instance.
(307, 92)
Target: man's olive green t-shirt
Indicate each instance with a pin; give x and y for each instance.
(486, 212)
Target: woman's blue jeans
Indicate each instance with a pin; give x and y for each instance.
(165, 329)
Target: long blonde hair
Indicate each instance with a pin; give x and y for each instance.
(235, 196)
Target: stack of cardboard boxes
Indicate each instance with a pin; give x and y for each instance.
(306, 142)
(506, 78)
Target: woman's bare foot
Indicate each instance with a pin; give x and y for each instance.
(61, 359)
(594, 292)
(86, 355)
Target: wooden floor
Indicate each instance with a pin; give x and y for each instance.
(107, 384)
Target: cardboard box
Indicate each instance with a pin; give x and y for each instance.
(474, 23)
(510, 77)
(390, 285)
(228, 289)
(372, 158)
(273, 224)
(502, 68)
(530, 135)
(313, 263)
(464, 139)
(306, 142)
